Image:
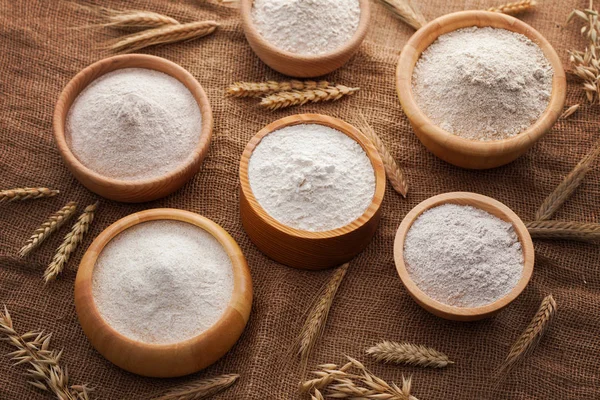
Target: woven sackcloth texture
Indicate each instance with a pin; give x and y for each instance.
(43, 45)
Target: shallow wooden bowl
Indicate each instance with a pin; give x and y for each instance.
(455, 149)
(297, 65)
(142, 190)
(304, 249)
(487, 204)
(164, 360)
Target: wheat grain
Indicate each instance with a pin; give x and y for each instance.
(52, 224)
(582, 231)
(570, 111)
(20, 194)
(514, 8)
(258, 89)
(300, 97)
(70, 243)
(406, 12)
(164, 35)
(137, 19)
(201, 389)
(406, 353)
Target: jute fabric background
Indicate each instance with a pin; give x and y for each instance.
(41, 50)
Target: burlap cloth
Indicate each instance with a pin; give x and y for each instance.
(41, 50)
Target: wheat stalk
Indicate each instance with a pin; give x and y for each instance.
(52, 224)
(406, 353)
(201, 389)
(20, 194)
(45, 373)
(392, 170)
(514, 8)
(585, 232)
(70, 243)
(566, 188)
(137, 19)
(259, 89)
(300, 97)
(164, 35)
(570, 111)
(314, 325)
(406, 12)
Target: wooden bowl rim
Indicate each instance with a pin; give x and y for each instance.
(462, 19)
(241, 273)
(465, 198)
(129, 61)
(349, 46)
(332, 122)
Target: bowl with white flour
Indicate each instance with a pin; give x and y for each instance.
(305, 38)
(133, 127)
(480, 88)
(163, 292)
(311, 188)
(463, 256)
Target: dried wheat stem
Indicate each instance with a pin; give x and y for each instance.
(300, 97)
(406, 353)
(201, 389)
(164, 35)
(70, 243)
(258, 89)
(582, 231)
(52, 224)
(406, 12)
(515, 8)
(26, 194)
(137, 19)
(570, 111)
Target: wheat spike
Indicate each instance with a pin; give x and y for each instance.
(52, 224)
(70, 243)
(201, 389)
(514, 8)
(566, 188)
(406, 353)
(406, 12)
(582, 231)
(392, 170)
(587, 63)
(137, 19)
(164, 35)
(300, 97)
(570, 111)
(259, 89)
(20, 194)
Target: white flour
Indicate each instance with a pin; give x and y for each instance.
(311, 177)
(483, 83)
(463, 256)
(307, 27)
(162, 281)
(134, 124)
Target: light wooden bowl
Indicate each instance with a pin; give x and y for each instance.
(487, 204)
(297, 65)
(455, 149)
(168, 360)
(142, 190)
(304, 249)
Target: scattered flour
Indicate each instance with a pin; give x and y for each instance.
(162, 281)
(311, 177)
(134, 124)
(463, 256)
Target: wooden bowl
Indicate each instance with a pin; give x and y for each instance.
(298, 65)
(487, 204)
(455, 149)
(142, 190)
(164, 360)
(304, 249)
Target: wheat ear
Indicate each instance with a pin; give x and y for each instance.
(20, 194)
(201, 389)
(259, 89)
(515, 8)
(406, 12)
(52, 224)
(314, 325)
(300, 97)
(70, 243)
(582, 231)
(137, 19)
(566, 188)
(45, 373)
(406, 353)
(164, 35)
(392, 170)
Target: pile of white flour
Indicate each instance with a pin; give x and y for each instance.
(162, 281)
(308, 27)
(483, 83)
(311, 177)
(134, 124)
(463, 256)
